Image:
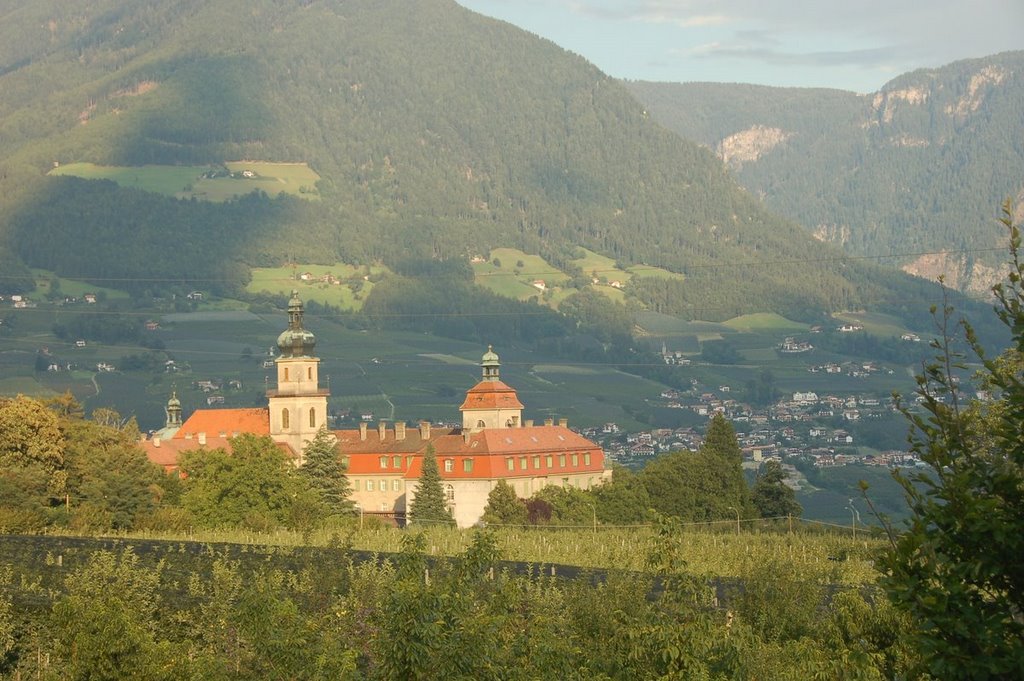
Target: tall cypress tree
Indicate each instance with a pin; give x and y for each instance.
(429, 506)
(731, 487)
(325, 474)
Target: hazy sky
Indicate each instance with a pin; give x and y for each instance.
(844, 44)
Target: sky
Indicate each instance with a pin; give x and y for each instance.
(846, 44)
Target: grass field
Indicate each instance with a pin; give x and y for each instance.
(873, 322)
(73, 287)
(170, 180)
(348, 294)
(597, 266)
(764, 321)
(187, 182)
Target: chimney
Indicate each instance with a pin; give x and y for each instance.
(188, 436)
(156, 442)
(528, 423)
(399, 430)
(362, 431)
(425, 430)
(466, 434)
(382, 429)
(549, 422)
(564, 423)
(202, 438)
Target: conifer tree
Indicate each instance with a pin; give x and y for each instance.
(325, 474)
(720, 441)
(429, 507)
(772, 497)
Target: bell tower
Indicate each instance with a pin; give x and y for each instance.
(491, 403)
(298, 407)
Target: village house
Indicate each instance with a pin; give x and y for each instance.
(384, 464)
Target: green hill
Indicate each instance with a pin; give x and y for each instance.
(912, 169)
(435, 133)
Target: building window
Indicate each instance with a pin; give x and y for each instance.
(383, 462)
(449, 465)
(575, 460)
(481, 424)
(522, 463)
(549, 461)
(396, 485)
(285, 420)
(286, 373)
(396, 462)
(344, 462)
(586, 458)
(312, 417)
(449, 494)
(309, 373)
(369, 485)
(383, 486)
(536, 462)
(467, 465)
(510, 463)
(561, 460)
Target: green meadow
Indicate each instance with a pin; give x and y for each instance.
(188, 182)
(354, 282)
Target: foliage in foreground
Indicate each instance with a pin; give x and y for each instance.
(416, 618)
(958, 569)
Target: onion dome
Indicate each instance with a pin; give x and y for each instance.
(173, 411)
(489, 363)
(296, 341)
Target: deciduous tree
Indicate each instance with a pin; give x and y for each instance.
(957, 568)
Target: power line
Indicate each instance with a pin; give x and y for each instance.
(531, 273)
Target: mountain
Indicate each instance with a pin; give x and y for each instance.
(917, 169)
(435, 132)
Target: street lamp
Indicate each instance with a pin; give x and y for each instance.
(733, 508)
(854, 517)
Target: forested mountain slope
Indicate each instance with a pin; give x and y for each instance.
(913, 168)
(436, 132)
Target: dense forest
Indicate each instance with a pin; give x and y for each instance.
(436, 132)
(911, 169)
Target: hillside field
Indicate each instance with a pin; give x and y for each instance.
(192, 182)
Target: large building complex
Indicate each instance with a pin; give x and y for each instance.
(384, 462)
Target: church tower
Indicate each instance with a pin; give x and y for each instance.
(173, 411)
(298, 407)
(491, 403)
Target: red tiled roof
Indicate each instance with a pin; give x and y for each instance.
(168, 451)
(230, 422)
(491, 395)
(489, 449)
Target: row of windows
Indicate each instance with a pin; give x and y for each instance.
(382, 485)
(549, 461)
(286, 418)
(525, 488)
(395, 462)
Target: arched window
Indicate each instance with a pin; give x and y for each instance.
(312, 417)
(449, 494)
(481, 424)
(285, 421)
